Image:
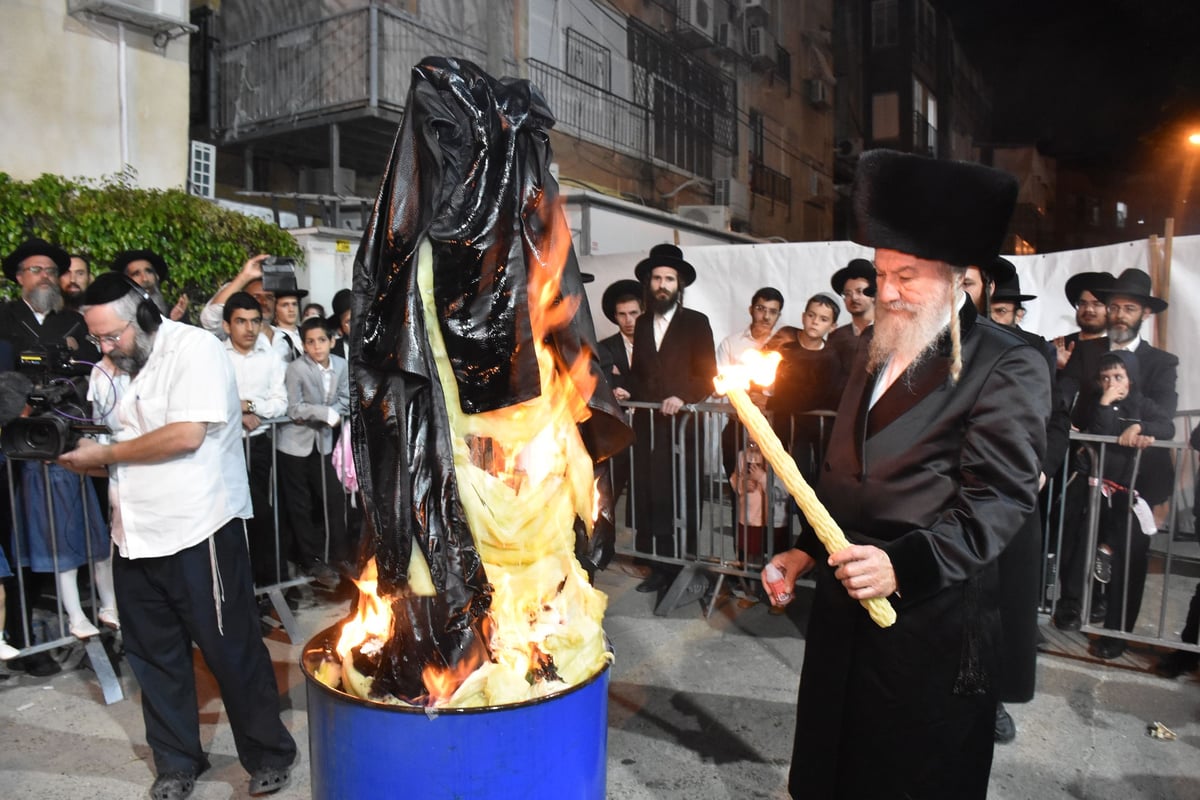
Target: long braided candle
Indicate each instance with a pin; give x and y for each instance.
(734, 382)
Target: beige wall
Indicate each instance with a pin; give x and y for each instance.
(59, 98)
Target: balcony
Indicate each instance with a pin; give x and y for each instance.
(771, 184)
(590, 113)
(283, 90)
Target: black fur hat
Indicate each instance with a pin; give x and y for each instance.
(857, 268)
(951, 211)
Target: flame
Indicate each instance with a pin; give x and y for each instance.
(524, 477)
(374, 617)
(756, 367)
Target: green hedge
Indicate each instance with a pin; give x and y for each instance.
(204, 245)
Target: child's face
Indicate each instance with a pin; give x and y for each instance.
(316, 345)
(818, 320)
(1116, 379)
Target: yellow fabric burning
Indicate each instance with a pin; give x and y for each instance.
(523, 524)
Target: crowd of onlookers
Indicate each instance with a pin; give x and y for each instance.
(1107, 379)
(292, 380)
(289, 358)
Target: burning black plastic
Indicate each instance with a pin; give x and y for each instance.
(469, 171)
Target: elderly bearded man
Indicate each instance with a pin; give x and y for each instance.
(932, 467)
(177, 481)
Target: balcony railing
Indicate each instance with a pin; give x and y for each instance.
(590, 113)
(770, 183)
(356, 59)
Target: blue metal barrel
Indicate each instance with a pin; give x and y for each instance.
(550, 747)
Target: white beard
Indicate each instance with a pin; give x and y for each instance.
(908, 332)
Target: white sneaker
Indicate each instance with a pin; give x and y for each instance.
(108, 616)
(83, 629)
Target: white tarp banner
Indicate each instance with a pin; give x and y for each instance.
(728, 275)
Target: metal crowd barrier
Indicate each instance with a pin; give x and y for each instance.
(55, 634)
(275, 591)
(713, 551)
(697, 429)
(1173, 557)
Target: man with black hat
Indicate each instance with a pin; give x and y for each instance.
(932, 467)
(1020, 563)
(180, 497)
(1091, 313)
(674, 364)
(37, 321)
(1129, 302)
(855, 284)
(622, 305)
(287, 318)
(149, 270)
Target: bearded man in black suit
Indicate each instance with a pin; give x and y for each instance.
(674, 363)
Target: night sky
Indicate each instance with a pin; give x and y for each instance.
(1111, 80)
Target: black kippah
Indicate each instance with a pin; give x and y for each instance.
(107, 288)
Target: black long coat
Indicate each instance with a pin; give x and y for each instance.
(940, 476)
(20, 327)
(683, 366)
(614, 362)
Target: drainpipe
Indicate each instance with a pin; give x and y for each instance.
(123, 95)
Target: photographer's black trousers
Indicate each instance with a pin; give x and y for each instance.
(166, 605)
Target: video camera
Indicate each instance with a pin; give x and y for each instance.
(46, 382)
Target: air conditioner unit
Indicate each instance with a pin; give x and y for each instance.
(734, 194)
(723, 164)
(719, 217)
(819, 93)
(694, 20)
(150, 14)
(760, 46)
(728, 38)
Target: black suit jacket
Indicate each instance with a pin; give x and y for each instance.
(614, 362)
(20, 327)
(684, 366)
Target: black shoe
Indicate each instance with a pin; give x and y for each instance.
(1066, 618)
(173, 786)
(39, 665)
(1176, 663)
(1006, 729)
(1099, 611)
(324, 574)
(652, 582)
(1108, 648)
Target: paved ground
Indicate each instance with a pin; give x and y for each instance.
(699, 708)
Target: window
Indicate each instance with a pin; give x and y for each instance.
(589, 61)
(885, 116)
(783, 65)
(757, 131)
(693, 107)
(201, 168)
(926, 31)
(1122, 214)
(925, 123)
(885, 23)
